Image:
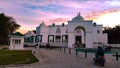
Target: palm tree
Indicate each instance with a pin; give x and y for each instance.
(113, 34)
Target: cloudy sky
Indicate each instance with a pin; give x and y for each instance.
(30, 13)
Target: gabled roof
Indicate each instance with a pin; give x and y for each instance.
(17, 34)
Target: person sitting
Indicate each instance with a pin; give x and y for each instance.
(99, 53)
(48, 46)
(99, 56)
(77, 44)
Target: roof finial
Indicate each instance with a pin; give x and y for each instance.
(78, 14)
(42, 21)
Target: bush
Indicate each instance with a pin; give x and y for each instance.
(4, 48)
(3, 43)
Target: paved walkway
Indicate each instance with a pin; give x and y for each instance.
(56, 59)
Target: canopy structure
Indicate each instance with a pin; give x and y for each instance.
(16, 41)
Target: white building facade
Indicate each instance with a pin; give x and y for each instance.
(86, 32)
(16, 41)
(30, 38)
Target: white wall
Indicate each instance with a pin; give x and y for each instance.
(99, 37)
(71, 39)
(88, 29)
(89, 40)
(44, 32)
(91, 34)
(14, 46)
(52, 30)
(105, 38)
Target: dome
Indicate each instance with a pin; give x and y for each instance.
(78, 18)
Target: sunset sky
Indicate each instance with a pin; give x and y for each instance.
(30, 13)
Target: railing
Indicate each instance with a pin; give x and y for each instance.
(114, 45)
(60, 44)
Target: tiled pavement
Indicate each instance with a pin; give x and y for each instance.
(56, 59)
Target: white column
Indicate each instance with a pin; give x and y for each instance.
(83, 36)
(11, 45)
(71, 39)
(22, 43)
(34, 39)
(89, 40)
(45, 38)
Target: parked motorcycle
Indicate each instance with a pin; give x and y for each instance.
(99, 61)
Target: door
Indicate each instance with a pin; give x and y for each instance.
(78, 38)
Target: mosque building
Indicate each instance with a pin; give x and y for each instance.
(86, 32)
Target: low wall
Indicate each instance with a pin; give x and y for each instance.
(114, 45)
(4, 46)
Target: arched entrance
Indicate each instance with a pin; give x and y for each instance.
(80, 36)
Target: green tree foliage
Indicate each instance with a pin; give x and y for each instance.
(113, 34)
(7, 26)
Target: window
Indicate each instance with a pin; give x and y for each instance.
(98, 31)
(58, 38)
(53, 24)
(36, 39)
(65, 38)
(51, 38)
(94, 24)
(16, 41)
(63, 24)
(78, 32)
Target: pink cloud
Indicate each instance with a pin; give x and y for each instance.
(95, 14)
(89, 10)
(56, 20)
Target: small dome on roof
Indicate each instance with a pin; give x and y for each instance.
(78, 18)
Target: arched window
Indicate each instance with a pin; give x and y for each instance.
(53, 24)
(63, 24)
(78, 32)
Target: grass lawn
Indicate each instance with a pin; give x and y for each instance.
(16, 57)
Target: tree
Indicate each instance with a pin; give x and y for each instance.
(7, 26)
(113, 34)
